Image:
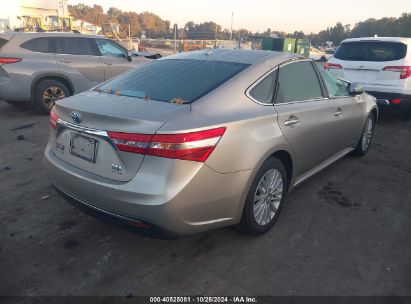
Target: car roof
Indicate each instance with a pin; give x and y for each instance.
(377, 39)
(233, 55)
(50, 34)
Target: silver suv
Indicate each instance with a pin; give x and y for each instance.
(44, 67)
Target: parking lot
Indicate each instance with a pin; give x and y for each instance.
(346, 231)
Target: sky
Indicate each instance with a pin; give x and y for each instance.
(258, 15)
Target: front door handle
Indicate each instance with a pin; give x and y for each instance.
(65, 61)
(108, 63)
(291, 121)
(338, 113)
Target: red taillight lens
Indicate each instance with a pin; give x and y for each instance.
(395, 101)
(329, 66)
(405, 71)
(194, 146)
(7, 60)
(53, 120)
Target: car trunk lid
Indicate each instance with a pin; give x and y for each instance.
(81, 137)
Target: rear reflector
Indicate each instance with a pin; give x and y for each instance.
(53, 120)
(405, 71)
(329, 66)
(395, 101)
(194, 146)
(7, 60)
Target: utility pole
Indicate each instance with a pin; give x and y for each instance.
(231, 30)
(175, 38)
(216, 32)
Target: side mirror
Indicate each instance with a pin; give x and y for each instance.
(356, 89)
(129, 57)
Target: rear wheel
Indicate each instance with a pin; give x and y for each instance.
(366, 137)
(265, 198)
(47, 92)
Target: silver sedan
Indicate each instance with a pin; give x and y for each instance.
(204, 139)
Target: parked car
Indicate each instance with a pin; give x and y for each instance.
(45, 67)
(381, 64)
(329, 53)
(317, 55)
(205, 139)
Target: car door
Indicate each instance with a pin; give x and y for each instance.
(349, 117)
(77, 57)
(113, 57)
(305, 116)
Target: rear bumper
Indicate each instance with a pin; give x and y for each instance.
(401, 100)
(180, 199)
(14, 88)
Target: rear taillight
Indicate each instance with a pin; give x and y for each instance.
(395, 101)
(194, 146)
(7, 60)
(329, 66)
(405, 71)
(53, 120)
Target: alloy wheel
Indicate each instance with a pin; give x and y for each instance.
(51, 95)
(367, 134)
(268, 197)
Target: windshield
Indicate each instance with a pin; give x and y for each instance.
(371, 51)
(171, 80)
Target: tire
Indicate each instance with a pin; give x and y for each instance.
(366, 137)
(47, 92)
(323, 59)
(258, 217)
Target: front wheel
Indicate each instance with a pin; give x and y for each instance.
(265, 198)
(366, 137)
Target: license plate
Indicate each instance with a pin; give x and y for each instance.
(83, 147)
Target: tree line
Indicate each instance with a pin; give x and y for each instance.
(155, 27)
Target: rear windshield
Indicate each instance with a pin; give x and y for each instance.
(371, 51)
(170, 80)
(2, 42)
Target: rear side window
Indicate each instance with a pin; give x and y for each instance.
(41, 45)
(75, 46)
(264, 90)
(2, 42)
(297, 82)
(173, 80)
(371, 51)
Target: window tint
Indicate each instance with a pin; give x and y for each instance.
(335, 87)
(109, 48)
(264, 90)
(2, 42)
(42, 45)
(74, 46)
(298, 81)
(180, 81)
(371, 51)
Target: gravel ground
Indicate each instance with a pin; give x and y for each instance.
(346, 231)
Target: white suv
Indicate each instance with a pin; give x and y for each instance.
(381, 64)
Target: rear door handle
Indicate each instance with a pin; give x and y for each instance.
(338, 113)
(291, 121)
(65, 61)
(108, 63)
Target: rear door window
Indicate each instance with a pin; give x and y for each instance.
(75, 46)
(376, 51)
(173, 80)
(298, 81)
(41, 45)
